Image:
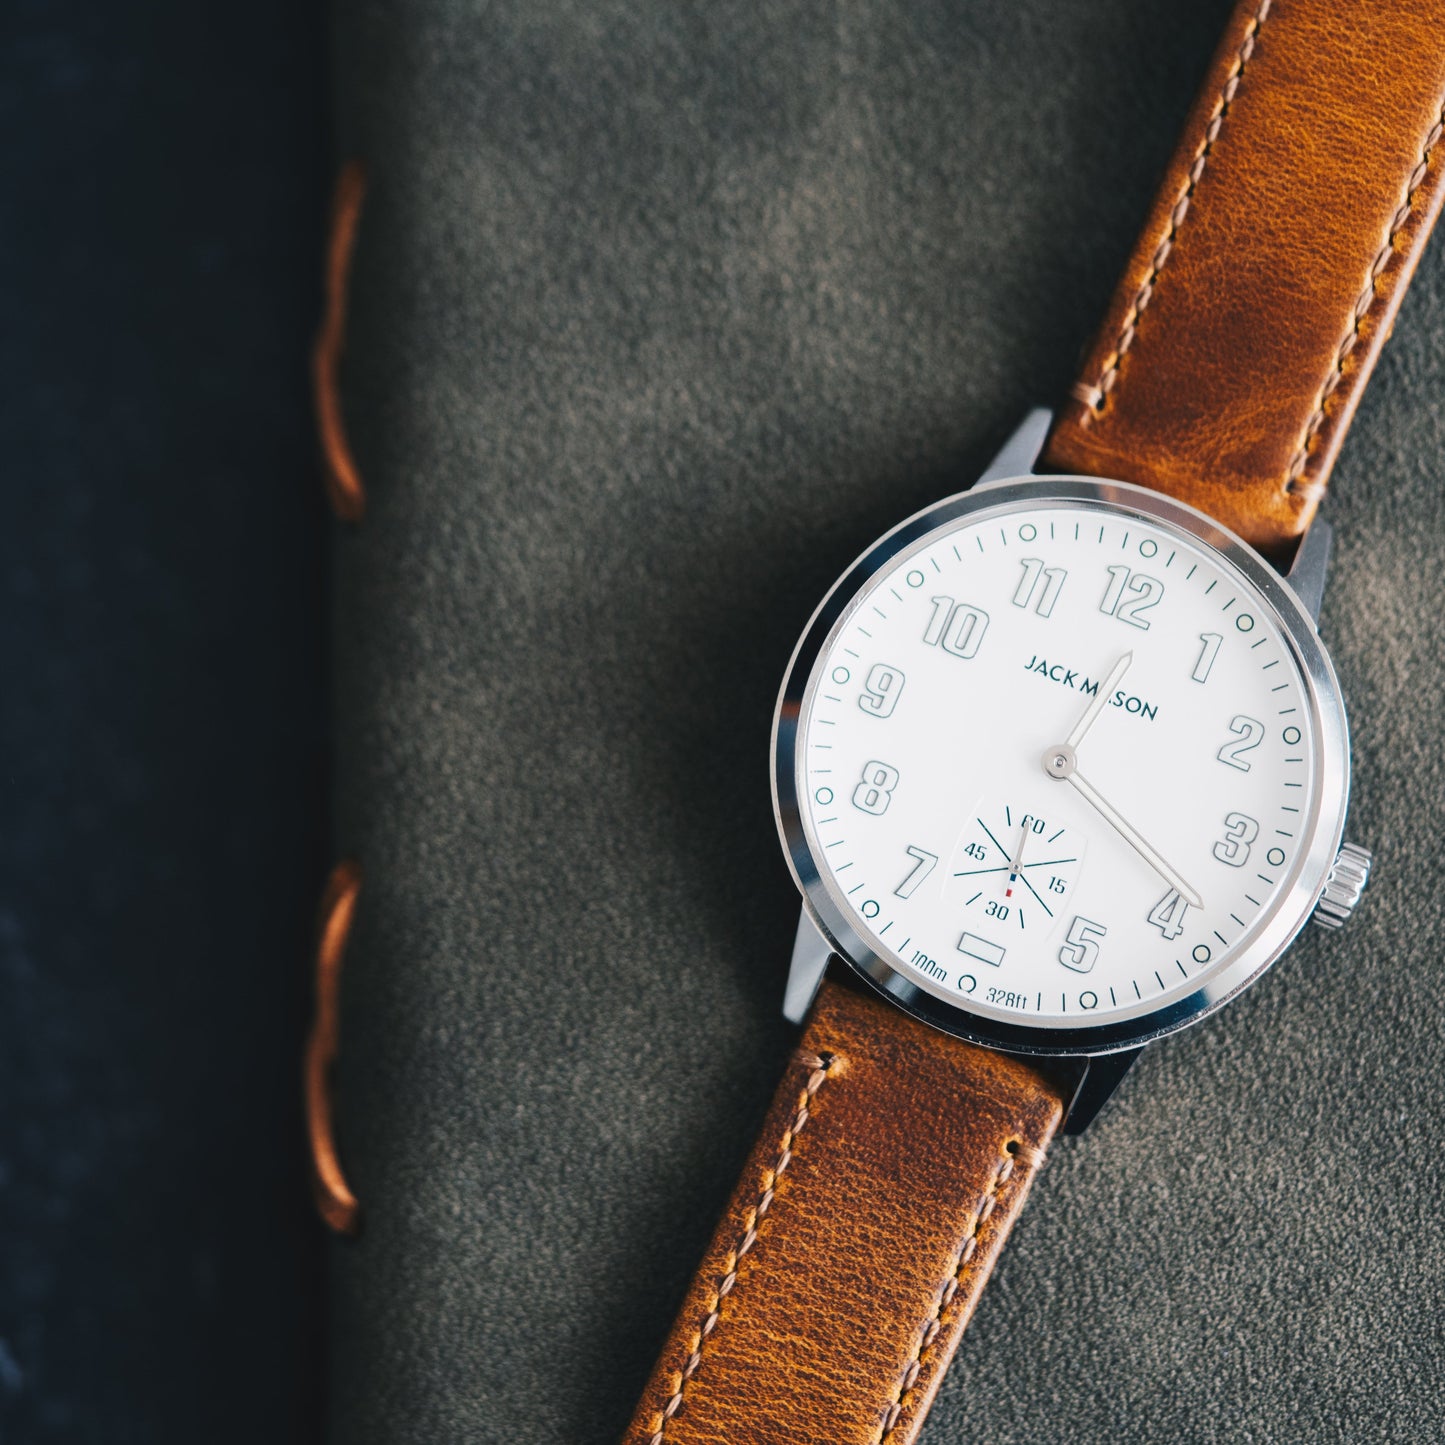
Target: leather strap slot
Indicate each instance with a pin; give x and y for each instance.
(344, 489)
(335, 1202)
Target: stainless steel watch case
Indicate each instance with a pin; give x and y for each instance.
(824, 929)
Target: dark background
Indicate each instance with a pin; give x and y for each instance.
(162, 725)
(662, 312)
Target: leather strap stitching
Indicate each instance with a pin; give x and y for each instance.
(1014, 1150)
(752, 1223)
(1094, 397)
(1364, 303)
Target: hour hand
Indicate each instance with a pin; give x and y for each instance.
(1105, 692)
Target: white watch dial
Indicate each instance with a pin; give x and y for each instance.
(1057, 765)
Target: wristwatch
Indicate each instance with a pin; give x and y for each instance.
(1061, 764)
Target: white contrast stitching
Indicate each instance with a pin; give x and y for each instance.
(1031, 1158)
(1363, 304)
(1093, 397)
(752, 1222)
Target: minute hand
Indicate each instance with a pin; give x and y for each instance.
(1135, 841)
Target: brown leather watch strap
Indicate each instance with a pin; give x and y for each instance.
(1272, 264)
(891, 1167)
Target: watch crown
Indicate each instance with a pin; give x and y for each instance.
(1344, 885)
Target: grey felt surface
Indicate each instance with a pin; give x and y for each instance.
(661, 313)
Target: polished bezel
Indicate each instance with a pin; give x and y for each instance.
(1331, 761)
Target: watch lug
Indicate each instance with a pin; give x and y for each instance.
(1306, 575)
(1018, 454)
(811, 952)
(1101, 1076)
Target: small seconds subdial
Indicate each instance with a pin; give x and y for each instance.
(1013, 870)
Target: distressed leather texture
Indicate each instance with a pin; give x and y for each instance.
(1268, 275)
(837, 1286)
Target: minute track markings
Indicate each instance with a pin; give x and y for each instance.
(972, 717)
